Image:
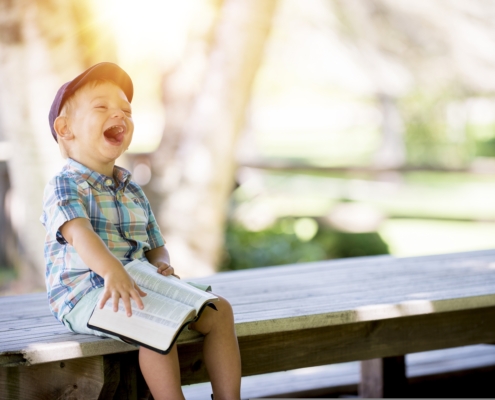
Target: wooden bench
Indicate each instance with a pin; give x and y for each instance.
(458, 372)
(372, 308)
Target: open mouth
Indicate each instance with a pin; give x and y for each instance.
(115, 134)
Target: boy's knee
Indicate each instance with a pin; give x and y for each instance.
(209, 318)
(223, 305)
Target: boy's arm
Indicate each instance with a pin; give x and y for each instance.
(95, 254)
(160, 258)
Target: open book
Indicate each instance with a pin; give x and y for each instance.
(170, 305)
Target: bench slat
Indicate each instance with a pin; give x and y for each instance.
(443, 262)
(337, 376)
(303, 296)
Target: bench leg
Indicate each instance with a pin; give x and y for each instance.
(383, 377)
(132, 385)
(114, 376)
(91, 378)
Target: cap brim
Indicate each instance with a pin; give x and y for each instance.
(104, 70)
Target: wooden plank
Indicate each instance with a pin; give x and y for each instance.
(350, 342)
(371, 313)
(337, 379)
(363, 266)
(317, 304)
(45, 352)
(56, 351)
(84, 378)
(127, 388)
(383, 377)
(333, 314)
(358, 264)
(404, 273)
(339, 301)
(243, 329)
(52, 349)
(399, 275)
(42, 320)
(345, 301)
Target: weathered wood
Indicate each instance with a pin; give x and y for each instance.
(335, 380)
(84, 378)
(128, 372)
(278, 299)
(383, 377)
(291, 317)
(350, 342)
(111, 375)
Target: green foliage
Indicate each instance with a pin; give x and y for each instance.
(279, 245)
(430, 139)
(486, 148)
(7, 276)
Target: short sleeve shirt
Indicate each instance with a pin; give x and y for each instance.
(119, 213)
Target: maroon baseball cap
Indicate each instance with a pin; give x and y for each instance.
(104, 70)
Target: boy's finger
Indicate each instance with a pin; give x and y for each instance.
(168, 271)
(162, 268)
(127, 305)
(138, 289)
(115, 299)
(104, 299)
(137, 298)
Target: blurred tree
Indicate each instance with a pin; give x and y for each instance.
(420, 49)
(206, 97)
(7, 238)
(42, 45)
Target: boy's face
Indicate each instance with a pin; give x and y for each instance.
(100, 124)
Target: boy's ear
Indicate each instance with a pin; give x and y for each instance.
(62, 128)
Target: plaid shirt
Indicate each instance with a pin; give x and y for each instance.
(120, 215)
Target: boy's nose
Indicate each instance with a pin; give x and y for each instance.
(118, 114)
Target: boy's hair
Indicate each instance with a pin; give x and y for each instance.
(106, 71)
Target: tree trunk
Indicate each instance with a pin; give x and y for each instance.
(41, 47)
(392, 150)
(195, 164)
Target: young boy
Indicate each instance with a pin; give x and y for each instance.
(98, 220)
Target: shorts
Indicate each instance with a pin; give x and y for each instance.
(76, 320)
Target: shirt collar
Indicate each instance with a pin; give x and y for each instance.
(97, 180)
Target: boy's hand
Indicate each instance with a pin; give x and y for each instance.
(160, 258)
(119, 285)
(164, 269)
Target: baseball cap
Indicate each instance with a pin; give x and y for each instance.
(104, 70)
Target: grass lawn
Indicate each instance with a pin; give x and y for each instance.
(407, 237)
(424, 213)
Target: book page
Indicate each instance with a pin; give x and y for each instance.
(156, 325)
(146, 277)
(158, 309)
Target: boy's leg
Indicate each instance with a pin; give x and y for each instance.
(162, 373)
(221, 350)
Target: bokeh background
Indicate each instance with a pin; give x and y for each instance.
(267, 131)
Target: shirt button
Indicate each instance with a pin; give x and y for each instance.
(126, 234)
(108, 182)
